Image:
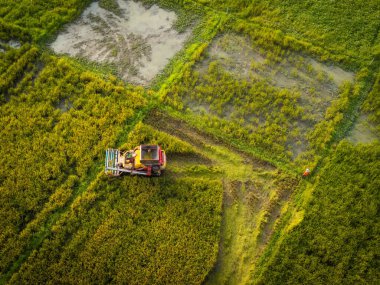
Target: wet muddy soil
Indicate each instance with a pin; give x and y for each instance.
(137, 41)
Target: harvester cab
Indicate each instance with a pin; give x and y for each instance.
(148, 160)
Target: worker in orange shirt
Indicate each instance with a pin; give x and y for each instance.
(306, 173)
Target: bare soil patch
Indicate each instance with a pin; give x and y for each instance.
(138, 41)
(337, 74)
(363, 132)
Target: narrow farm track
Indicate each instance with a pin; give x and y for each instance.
(254, 195)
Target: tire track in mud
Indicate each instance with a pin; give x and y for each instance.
(254, 195)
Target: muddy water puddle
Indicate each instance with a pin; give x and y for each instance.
(138, 41)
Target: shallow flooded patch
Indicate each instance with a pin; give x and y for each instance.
(138, 41)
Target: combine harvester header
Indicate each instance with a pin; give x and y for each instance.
(147, 160)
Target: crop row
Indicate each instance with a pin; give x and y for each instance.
(52, 133)
(16, 69)
(132, 231)
(40, 18)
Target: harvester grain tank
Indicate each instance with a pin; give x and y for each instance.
(147, 160)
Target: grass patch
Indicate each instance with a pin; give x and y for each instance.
(111, 5)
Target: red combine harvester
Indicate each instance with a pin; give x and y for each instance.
(148, 160)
